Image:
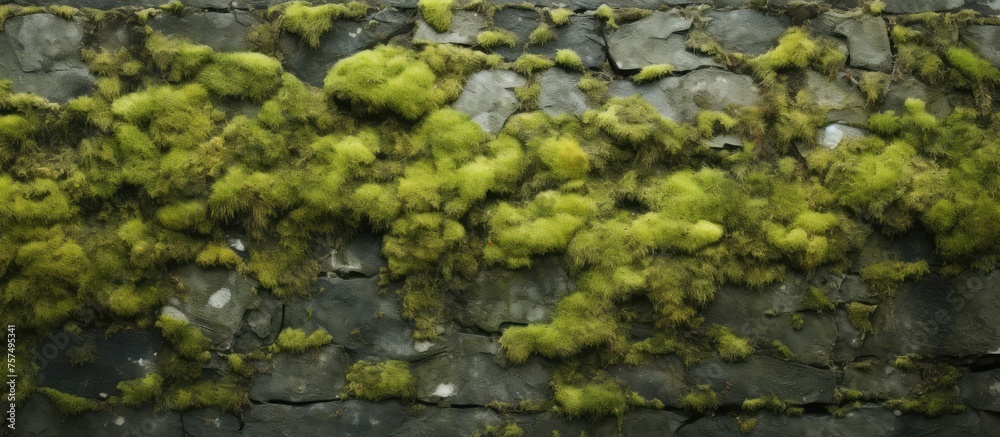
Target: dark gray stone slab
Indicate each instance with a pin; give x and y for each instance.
(122, 356)
(660, 378)
(261, 325)
(681, 98)
(842, 99)
(472, 374)
(39, 417)
(489, 99)
(939, 104)
(520, 296)
(362, 256)
(746, 30)
(311, 376)
(344, 39)
(761, 376)
(915, 6)
(936, 316)
(41, 55)
(348, 418)
(210, 422)
(985, 39)
(981, 390)
(868, 41)
(222, 31)
(559, 93)
(654, 40)
(216, 300)
(869, 420)
(465, 26)
(883, 381)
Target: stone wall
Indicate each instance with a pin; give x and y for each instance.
(852, 361)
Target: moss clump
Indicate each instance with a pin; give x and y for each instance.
(68, 404)
(142, 391)
(702, 399)
(937, 393)
(386, 78)
(885, 277)
(541, 35)
(595, 397)
(817, 300)
(382, 380)
(568, 60)
(246, 75)
(528, 63)
(875, 7)
(732, 347)
(783, 350)
(83, 354)
(580, 321)
(218, 255)
(311, 22)
(297, 341)
(858, 314)
(186, 339)
(797, 50)
(564, 157)
(972, 66)
(67, 12)
(650, 73)
(560, 16)
(545, 225)
(607, 15)
(177, 58)
(224, 395)
(874, 85)
(768, 402)
(495, 38)
(437, 13)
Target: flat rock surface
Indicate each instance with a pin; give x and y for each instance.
(465, 26)
(661, 379)
(868, 41)
(986, 40)
(123, 356)
(314, 375)
(488, 98)
(559, 93)
(681, 98)
(521, 296)
(361, 257)
(915, 6)
(760, 376)
(746, 30)
(216, 301)
(981, 390)
(844, 102)
(222, 31)
(41, 54)
(210, 422)
(654, 40)
(939, 104)
(39, 417)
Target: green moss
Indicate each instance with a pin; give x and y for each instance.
(139, 392)
(218, 255)
(768, 402)
(607, 15)
(541, 35)
(528, 63)
(225, 396)
(875, 7)
(702, 399)
(732, 347)
(885, 277)
(297, 341)
(783, 350)
(495, 38)
(186, 339)
(381, 380)
(874, 85)
(386, 78)
(906, 362)
(130, 301)
(68, 404)
(972, 66)
(311, 22)
(178, 59)
(247, 75)
(653, 72)
(560, 16)
(545, 225)
(174, 7)
(564, 157)
(82, 355)
(568, 60)
(858, 314)
(816, 299)
(598, 397)
(67, 12)
(797, 50)
(580, 321)
(798, 321)
(437, 13)
(511, 429)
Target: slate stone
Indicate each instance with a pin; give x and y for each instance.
(39, 417)
(681, 98)
(548, 424)
(41, 54)
(868, 41)
(361, 257)
(345, 38)
(216, 300)
(853, 289)
(969, 423)
(869, 420)
(361, 318)
(654, 40)
(939, 104)
(915, 6)
(559, 93)
(985, 7)
(849, 339)
(465, 26)
(122, 356)
(96, 4)
(830, 136)
(261, 325)
(645, 422)
(913, 246)
(843, 100)
(500, 296)
(724, 141)
(210, 422)
(884, 381)
(349, 418)
(222, 31)
(449, 422)
(985, 39)
(472, 374)
(660, 378)
(936, 316)
(826, 24)
(489, 99)
(521, 23)
(761, 376)
(582, 35)
(746, 30)
(981, 390)
(311, 376)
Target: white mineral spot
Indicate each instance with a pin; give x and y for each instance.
(103, 395)
(119, 420)
(215, 422)
(220, 298)
(237, 244)
(422, 346)
(536, 314)
(355, 33)
(444, 390)
(174, 312)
